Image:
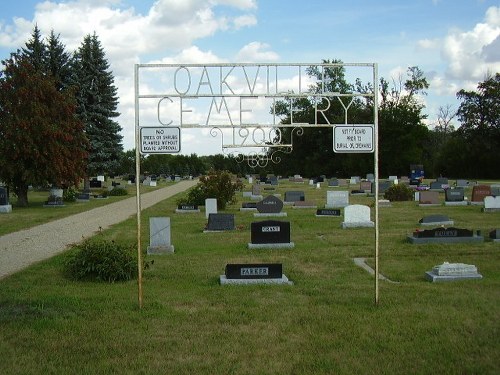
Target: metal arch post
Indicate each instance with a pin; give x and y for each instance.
(137, 185)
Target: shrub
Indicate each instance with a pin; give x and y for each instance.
(115, 192)
(70, 194)
(216, 184)
(399, 193)
(101, 260)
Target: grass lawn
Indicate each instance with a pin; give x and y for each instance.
(326, 323)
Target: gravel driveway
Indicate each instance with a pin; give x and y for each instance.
(20, 249)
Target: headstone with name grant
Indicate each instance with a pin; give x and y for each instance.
(160, 236)
(444, 235)
(210, 206)
(357, 216)
(5, 207)
(220, 222)
(434, 220)
(186, 208)
(452, 272)
(455, 197)
(294, 196)
(479, 192)
(255, 273)
(270, 234)
(337, 199)
(491, 204)
(328, 212)
(429, 198)
(270, 206)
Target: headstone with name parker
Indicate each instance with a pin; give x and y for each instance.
(254, 273)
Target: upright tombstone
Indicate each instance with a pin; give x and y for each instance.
(220, 222)
(479, 192)
(5, 207)
(455, 197)
(333, 182)
(495, 190)
(83, 197)
(270, 206)
(55, 198)
(294, 196)
(495, 235)
(210, 206)
(186, 208)
(429, 198)
(160, 236)
(370, 177)
(365, 186)
(382, 187)
(255, 273)
(357, 216)
(435, 220)
(270, 234)
(256, 192)
(491, 204)
(452, 272)
(337, 199)
(462, 183)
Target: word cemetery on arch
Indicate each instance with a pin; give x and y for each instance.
(237, 102)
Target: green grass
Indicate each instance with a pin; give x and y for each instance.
(326, 323)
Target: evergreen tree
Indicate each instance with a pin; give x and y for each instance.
(97, 103)
(36, 51)
(58, 62)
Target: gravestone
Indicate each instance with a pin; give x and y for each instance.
(95, 183)
(270, 206)
(210, 206)
(337, 199)
(186, 208)
(442, 180)
(304, 204)
(83, 197)
(404, 180)
(270, 234)
(479, 192)
(452, 272)
(254, 273)
(365, 186)
(248, 206)
(393, 178)
(357, 216)
(274, 180)
(256, 190)
(328, 212)
(434, 220)
(462, 183)
(436, 185)
(491, 204)
(159, 236)
(354, 180)
(382, 187)
(495, 235)
(247, 194)
(54, 201)
(495, 190)
(250, 180)
(5, 207)
(220, 222)
(429, 198)
(294, 196)
(343, 183)
(455, 197)
(333, 182)
(444, 235)
(370, 177)
(414, 182)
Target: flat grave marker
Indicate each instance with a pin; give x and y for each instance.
(452, 272)
(444, 235)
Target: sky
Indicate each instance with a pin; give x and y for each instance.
(456, 43)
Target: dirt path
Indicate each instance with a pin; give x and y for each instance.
(20, 249)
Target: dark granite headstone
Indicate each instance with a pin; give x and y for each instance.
(333, 182)
(327, 212)
(443, 233)
(435, 185)
(83, 197)
(382, 187)
(270, 204)
(436, 220)
(220, 222)
(415, 181)
(252, 205)
(131, 178)
(495, 190)
(187, 207)
(254, 271)
(95, 184)
(294, 196)
(495, 234)
(454, 195)
(273, 180)
(270, 232)
(4, 196)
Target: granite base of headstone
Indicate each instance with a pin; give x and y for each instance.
(435, 220)
(159, 236)
(491, 204)
(328, 212)
(256, 273)
(304, 204)
(270, 234)
(495, 235)
(444, 235)
(220, 223)
(248, 206)
(453, 272)
(187, 209)
(357, 216)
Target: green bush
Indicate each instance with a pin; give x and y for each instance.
(70, 194)
(115, 192)
(216, 184)
(399, 193)
(101, 260)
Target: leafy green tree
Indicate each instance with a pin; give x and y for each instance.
(97, 103)
(41, 140)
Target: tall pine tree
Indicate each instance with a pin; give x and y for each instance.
(97, 103)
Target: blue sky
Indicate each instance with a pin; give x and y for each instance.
(455, 42)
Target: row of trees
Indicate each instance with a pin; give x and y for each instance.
(56, 115)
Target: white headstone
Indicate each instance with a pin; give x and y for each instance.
(311, 182)
(318, 185)
(392, 178)
(250, 180)
(337, 199)
(210, 206)
(357, 215)
(100, 178)
(492, 203)
(160, 236)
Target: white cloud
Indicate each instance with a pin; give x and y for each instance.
(256, 51)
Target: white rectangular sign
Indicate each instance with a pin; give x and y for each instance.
(353, 138)
(160, 140)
